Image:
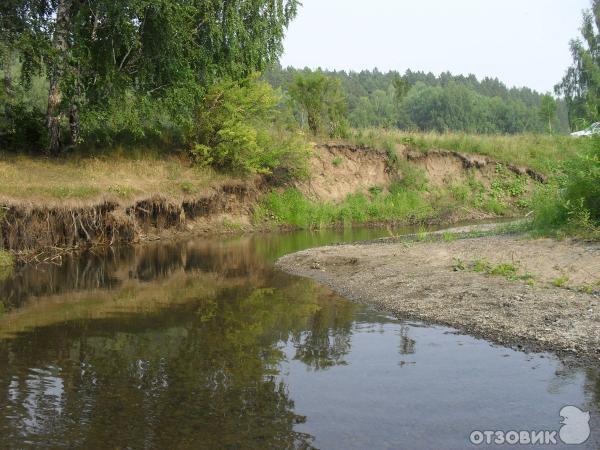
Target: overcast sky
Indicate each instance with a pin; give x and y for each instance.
(522, 42)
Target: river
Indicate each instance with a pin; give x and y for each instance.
(203, 344)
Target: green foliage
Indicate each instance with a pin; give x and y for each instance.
(560, 282)
(139, 67)
(238, 131)
(449, 236)
(507, 270)
(412, 177)
(322, 102)
(458, 265)
(292, 208)
(572, 201)
(422, 101)
(581, 84)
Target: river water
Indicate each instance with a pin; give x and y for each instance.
(203, 344)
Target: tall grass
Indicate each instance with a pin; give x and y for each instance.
(114, 175)
(571, 202)
(292, 208)
(537, 151)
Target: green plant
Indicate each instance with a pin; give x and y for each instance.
(449, 237)
(186, 187)
(561, 281)
(412, 177)
(587, 289)
(422, 234)
(481, 266)
(292, 208)
(337, 161)
(375, 190)
(506, 270)
(237, 131)
(458, 265)
(571, 203)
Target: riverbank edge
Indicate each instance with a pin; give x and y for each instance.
(339, 284)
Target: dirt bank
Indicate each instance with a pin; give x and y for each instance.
(500, 288)
(170, 198)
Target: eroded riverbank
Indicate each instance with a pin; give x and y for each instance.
(537, 294)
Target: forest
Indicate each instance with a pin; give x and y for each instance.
(422, 101)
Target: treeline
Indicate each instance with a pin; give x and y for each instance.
(426, 102)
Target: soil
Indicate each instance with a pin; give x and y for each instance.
(436, 282)
(337, 171)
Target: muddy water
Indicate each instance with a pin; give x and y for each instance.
(203, 344)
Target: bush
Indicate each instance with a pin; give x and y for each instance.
(238, 130)
(572, 201)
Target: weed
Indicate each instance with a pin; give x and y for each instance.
(506, 270)
(449, 237)
(186, 187)
(422, 234)
(571, 202)
(494, 206)
(481, 266)
(231, 226)
(561, 281)
(375, 190)
(458, 265)
(337, 161)
(587, 289)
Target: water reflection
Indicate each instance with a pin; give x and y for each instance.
(204, 345)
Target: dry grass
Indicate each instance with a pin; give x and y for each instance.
(537, 151)
(81, 179)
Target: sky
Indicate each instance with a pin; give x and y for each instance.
(521, 42)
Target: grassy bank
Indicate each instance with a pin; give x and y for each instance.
(412, 199)
(539, 152)
(127, 176)
(117, 176)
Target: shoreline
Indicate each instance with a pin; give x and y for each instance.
(439, 283)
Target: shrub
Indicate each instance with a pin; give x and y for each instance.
(572, 201)
(238, 131)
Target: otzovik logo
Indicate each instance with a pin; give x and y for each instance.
(576, 425)
(575, 431)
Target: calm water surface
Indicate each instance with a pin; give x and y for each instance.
(203, 344)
